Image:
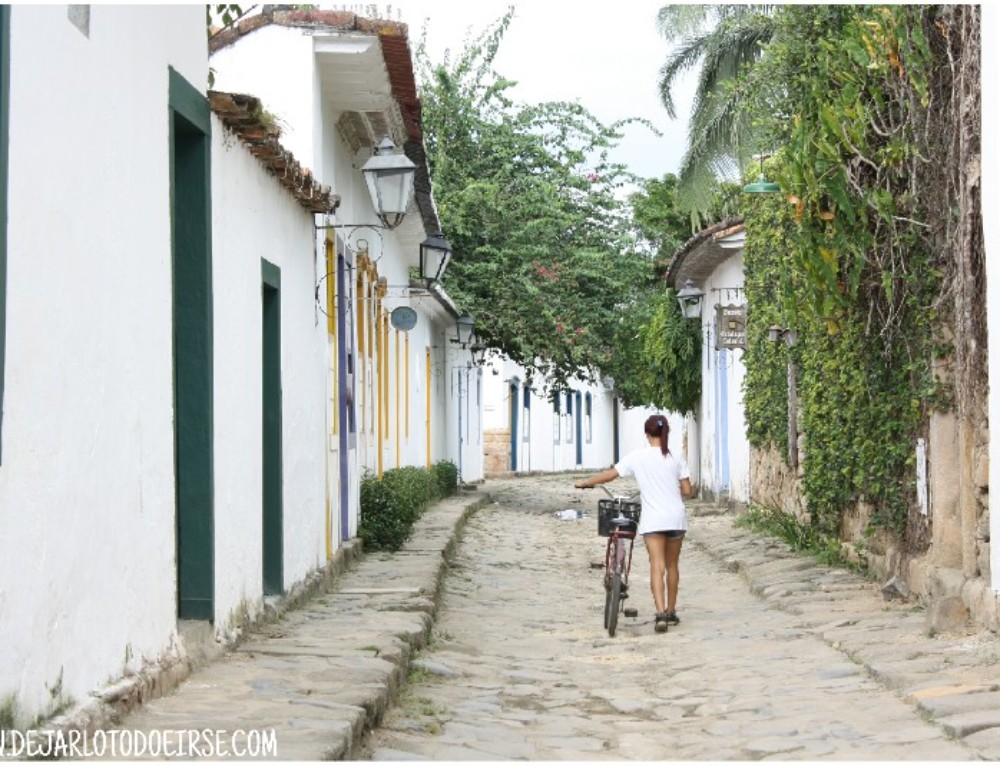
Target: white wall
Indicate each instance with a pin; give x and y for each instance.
(541, 451)
(721, 289)
(464, 434)
(442, 434)
(691, 440)
(275, 64)
(255, 218)
(452, 384)
(87, 578)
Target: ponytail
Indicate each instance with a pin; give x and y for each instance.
(658, 427)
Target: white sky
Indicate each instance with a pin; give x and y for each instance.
(605, 57)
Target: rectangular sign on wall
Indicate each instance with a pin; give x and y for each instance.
(731, 326)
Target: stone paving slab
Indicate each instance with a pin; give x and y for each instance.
(986, 743)
(324, 674)
(964, 724)
(773, 668)
(953, 704)
(954, 680)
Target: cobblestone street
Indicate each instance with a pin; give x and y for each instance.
(774, 667)
(483, 638)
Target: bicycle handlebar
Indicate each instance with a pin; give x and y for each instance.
(613, 496)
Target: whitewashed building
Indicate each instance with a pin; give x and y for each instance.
(199, 356)
(101, 120)
(530, 427)
(719, 451)
(338, 84)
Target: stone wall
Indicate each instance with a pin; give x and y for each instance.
(956, 570)
(496, 452)
(774, 484)
(949, 569)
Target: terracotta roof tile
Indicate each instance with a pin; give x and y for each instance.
(242, 115)
(689, 249)
(399, 64)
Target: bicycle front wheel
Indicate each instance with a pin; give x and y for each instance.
(613, 604)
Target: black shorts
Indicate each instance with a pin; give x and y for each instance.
(668, 532)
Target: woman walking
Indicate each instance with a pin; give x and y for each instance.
(664, 481)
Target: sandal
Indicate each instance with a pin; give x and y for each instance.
(661, 625)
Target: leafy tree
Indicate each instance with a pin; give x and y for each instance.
(660, 224)
(660, 221)
(722, 41)
(545, 251)
(658, 359)
(223, 16)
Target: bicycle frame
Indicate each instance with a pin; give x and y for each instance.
(617, 561)
(622, 562)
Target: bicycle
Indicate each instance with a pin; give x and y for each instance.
(618, 520)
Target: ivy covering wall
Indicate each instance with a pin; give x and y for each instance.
(855, 253)
(862, 402)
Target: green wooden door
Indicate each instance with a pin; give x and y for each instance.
(271, 469)
(190, 162)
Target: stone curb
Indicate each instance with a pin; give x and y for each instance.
(323, 663)
(109, 705)
(953, 679)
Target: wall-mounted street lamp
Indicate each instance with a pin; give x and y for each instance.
(390, 182)
(463, 329)
(478, 354)
(777, 334)
(435, 252)
(389, 177)
(761, 185)
(689, 297)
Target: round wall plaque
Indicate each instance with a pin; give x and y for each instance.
(403, 318)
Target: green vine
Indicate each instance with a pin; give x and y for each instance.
(804, 538)
(659, 356)
(765, 393)
(842, 257)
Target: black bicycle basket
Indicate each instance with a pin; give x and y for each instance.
(608, 509)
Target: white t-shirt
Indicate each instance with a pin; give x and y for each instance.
(659, 478)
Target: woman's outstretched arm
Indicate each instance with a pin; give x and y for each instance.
(598, 478)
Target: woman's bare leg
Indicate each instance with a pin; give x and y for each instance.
(656, 547)
(672, 555)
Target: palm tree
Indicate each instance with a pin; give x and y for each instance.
(724, 40)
